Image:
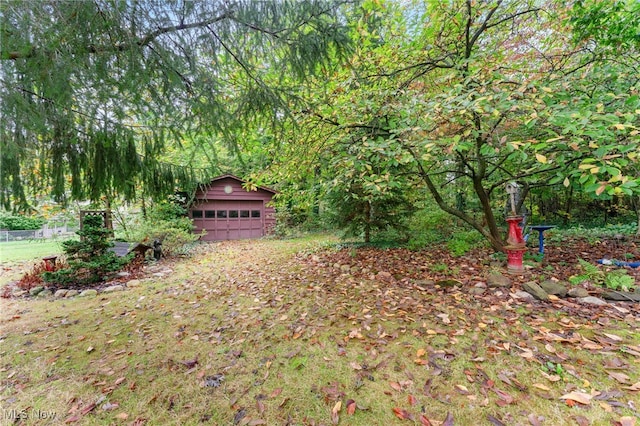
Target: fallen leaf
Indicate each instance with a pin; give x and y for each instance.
(633, 387)
(620, 377)
(335, 411)
(627, 421)
(402, 414)
(122, 416)
(462, 389)
(424, 421)
(613, 337)
(412, 400)
(396, 386)
(581, 420)
(535, 420)
(495, 421)
(448, 421)
(541, 386)
(88, 408)
(581, 397)
(351, 407)
(505, 398)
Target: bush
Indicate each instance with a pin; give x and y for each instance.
(167, 222)
(19, 223)
(90, 260)
(429, 227)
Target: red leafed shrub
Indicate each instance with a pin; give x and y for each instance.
(33, 278)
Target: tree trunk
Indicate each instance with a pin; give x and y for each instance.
(490, 231)
(367, 222)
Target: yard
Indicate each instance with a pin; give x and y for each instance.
(269, 332)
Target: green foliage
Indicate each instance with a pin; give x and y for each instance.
(593, 234)
(18, 222)
(462, 242)
(167, 222)
(616, 279)
(148, 74)
(89, 259)
(431, 227)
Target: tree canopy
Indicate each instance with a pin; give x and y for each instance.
(94, 92)
(466, 96)
(368, 105)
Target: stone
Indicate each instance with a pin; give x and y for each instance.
(59, 294)
(477, 291)
(134, 283)
(89, 293)
(19, 293)
(36, 290)
(112, 288)
(591, 300)
(345, 269)
(45, 293)
(496, 279)
(448, 283)
(123, 274)
(535, 290)
(623, 296)
(72, 293)
(385, 276)
(523, 295)
(578, 292)
(557, 288)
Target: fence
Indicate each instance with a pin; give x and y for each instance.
(45, 232)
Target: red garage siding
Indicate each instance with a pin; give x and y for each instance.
(226, 211)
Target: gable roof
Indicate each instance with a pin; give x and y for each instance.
(236, 178)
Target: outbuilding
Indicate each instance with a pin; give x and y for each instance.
(227, 211)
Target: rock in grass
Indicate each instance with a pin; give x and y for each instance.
(36, 290)
(535, 290)
(496, 280)
(448, 283)
(134, 283)
(624, 296)
(592, 300)
(112, 288)
(578, 292)
(72, 293)
(557, 288)
(523, 295)
(59, 294)
(91, 292)
(44, 293)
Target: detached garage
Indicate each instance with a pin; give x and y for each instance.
(227, 211)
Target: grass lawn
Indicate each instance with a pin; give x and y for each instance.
(28, 250)
(272, 333)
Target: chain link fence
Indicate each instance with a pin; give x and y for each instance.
(43, 233)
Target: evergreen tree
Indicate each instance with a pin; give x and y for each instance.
(93, 92)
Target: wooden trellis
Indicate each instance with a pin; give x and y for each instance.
(106, 217)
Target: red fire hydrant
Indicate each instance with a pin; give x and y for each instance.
(516, 246)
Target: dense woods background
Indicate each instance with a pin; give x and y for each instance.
(377, 116)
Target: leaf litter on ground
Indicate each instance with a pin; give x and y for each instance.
(280, 332)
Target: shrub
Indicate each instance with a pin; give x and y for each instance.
(167, 222)
(18, 223)
(90, 260)
(617, 279)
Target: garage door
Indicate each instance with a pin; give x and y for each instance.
(229, 220)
